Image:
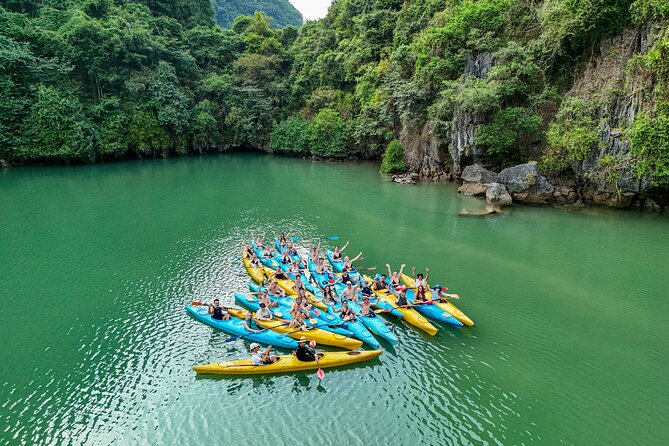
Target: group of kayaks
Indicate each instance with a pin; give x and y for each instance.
(324, 323)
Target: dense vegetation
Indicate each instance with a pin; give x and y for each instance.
(92, 79)
(282, 12)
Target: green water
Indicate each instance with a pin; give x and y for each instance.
(571, 344)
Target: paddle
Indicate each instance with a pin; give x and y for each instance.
(320, 373)
(234, 338)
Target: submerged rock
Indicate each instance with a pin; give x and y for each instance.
(489, 210)
(473, 189)
(406, 178)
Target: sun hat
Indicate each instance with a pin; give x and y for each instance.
(254, 345)
(348, 282)
(303, 339)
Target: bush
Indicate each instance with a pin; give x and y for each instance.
(292, 136)
(571, 135)
(510, 133)
(393, 158)
(649, 144)
(328, 137)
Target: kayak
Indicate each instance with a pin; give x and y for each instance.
(234, 327)
(286, 269)
(286, 363)
(339, 266)
(374, 323)
(316, 334)
(283, 310)
(410, 315)
(256, 273)
(445, 306)
(356, 327)
(289, 287)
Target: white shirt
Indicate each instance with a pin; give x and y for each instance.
(256, 358)
(263, 313)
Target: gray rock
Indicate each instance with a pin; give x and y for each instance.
(407, 178)
(478, 174)
(526, 184)
(497, 195)
(473, 189)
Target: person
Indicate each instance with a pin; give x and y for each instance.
(366, 289)
(285, 257)
(345, 276)
(365, 308)
(299, 285)
(348, 263)
(248, 250)
(297, 320)
(275, 290)
(349, 293)
(291, 249)
(250, 324)
(264, 358)
(255, 261)
(418, 278)
(336, 254)
(264, 299)
(347, 313)
(329, 296)
(267, 253)
(439, 290)
(320, 266)
(280, 274)
(401, 299)
(304, 352)
(217, 312)
(395, 276)
(420, 295)
(380, 283)
(315, 250)
(282, 239)
(294, 269)
(260, 241)
(263, 313)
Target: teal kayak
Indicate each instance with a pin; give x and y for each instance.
(234, 327)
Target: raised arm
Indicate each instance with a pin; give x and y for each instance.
(344, 247)
(427, 273)
(389, 272)
(413, 272)
(402, 268)
(358, 257)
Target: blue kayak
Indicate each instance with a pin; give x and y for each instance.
(234, 327)
(356, 327)
(270, 263)
(431, 311)
(286, 303)
(374, 323)
(286, 269)
(339, 266)
(279, 249)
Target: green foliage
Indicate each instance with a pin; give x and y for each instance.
(647, 10)
(393, 158)
(282, 12)
(649, 144)
(292, 136)
(510, 133)
(572, 134)
(328, 136)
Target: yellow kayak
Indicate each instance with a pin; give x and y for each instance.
(286, 363)
(316, 334)
(255, 273)
(410, 315)
(289, 287)
(446, 306)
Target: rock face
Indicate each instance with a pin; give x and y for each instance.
(497, 195)
(473, 189)
(421, 151)
(478, 174)
(406, 178)
(526, 184)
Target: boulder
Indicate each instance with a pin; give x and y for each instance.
(473, 189)
(406, 178)
(497, 195)
(478, 174)
(526, 184)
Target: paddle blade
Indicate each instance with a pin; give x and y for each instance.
(320, 373)
(296, 239)
(334, 238)
(198, 304)
(317, 312)
(231, 339)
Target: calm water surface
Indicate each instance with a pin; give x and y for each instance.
(96, 263)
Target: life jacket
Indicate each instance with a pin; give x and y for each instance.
(217, 313)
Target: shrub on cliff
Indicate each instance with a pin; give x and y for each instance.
(292, 136)
(328, 136)
(393, 158)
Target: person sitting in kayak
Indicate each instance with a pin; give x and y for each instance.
(297, 320)
(275, 290)
(217, 312)
(420, 295)
(347, 313)
(418, 278)
(395, 276)
(313, 252)
(294, 269)
(267, 253)
(263, 358)
(280, 274)
(366, 289)
(250, 324)
(304, 352)
(336, 254)
(349, 293)
(345, 276)
(299, 285)
(263, 313)
(255, 261)
(285, 258)
(260, 240)
(401, 298)
(365, 308)
(290, 248)
(380, 283)
(248, 250)
(329, 296)
(282, 240)
(439, 290)
(264, 299)
(348, 263)
(321, 268)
